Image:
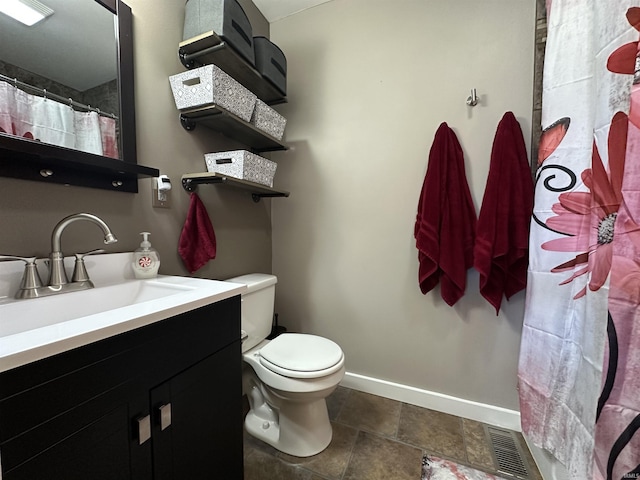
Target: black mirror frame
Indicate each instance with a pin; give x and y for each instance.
(31, 160)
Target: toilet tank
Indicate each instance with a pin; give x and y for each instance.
(257, 306)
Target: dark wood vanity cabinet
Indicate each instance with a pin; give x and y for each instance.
(160, 402)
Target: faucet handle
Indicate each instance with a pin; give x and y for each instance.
(80, 256)
(26, 260)
(79, 270)
(30, 278)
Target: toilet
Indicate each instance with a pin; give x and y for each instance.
(286, 379)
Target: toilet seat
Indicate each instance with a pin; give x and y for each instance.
(299, 355)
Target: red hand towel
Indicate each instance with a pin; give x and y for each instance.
(446, 220)
(197, 243)
(501, 252)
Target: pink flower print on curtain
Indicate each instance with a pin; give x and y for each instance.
(7, 107)
(108, 129)
(578, 212)
(617, 439)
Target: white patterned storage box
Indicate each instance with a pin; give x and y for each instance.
(268, 120)
(243, 165)
(209, 85)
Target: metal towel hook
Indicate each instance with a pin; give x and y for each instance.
(472, 100)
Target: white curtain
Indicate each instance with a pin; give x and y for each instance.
(88, 136)
(48, 121)
(580, 228)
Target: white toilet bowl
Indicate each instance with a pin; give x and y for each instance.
(287, 381)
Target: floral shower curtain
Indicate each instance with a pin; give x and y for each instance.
(579, 372)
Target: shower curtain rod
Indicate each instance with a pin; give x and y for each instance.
(69, 101)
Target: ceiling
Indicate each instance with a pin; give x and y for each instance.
(278, 9)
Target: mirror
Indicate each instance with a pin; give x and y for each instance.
(75, 70)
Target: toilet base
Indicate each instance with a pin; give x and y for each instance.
(301, 429)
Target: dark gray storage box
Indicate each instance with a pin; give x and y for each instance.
(271, 62)
(226, 18)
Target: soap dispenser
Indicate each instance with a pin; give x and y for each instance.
(146, 260)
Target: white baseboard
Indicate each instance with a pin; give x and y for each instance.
(481, 412)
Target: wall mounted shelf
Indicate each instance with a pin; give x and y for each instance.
(31, 160)
(209, 48)
(190, 182)
(232, 126)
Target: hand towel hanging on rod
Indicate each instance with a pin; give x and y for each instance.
(47, 94)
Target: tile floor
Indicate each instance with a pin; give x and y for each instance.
(375, 438)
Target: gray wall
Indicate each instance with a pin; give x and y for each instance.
(369, 83)
(29, 210)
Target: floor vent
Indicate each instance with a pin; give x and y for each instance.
(507, 453)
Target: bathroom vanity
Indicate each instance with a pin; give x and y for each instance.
(161, 400)
(98, 411)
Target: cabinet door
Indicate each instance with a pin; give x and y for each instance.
(104, 447)
(201, 412)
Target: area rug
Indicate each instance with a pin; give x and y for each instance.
(434, 468)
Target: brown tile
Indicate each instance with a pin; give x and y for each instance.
(434, 431)
(379, 458)
(336, 401)
(332, 462)
(477, 445)
(371, 413)
(259, 465)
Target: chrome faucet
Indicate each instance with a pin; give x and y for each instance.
(31, 286)
(57, 274)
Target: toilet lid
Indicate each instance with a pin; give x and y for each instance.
(301, 355)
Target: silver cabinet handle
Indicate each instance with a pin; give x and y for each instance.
(165, 415)
(144, 429)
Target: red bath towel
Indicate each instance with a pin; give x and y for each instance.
(197, 243)
(501, 253)
(446, 220)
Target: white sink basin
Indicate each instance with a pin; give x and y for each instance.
(41, 327)
(24, 315)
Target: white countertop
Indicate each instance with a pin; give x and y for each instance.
(38, 328)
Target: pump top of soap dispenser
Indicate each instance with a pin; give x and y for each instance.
(145, 244)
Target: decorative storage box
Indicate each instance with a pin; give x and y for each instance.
(209, 85)
(243, 165)
(226, 18)
(271, 62)
(268, 120)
